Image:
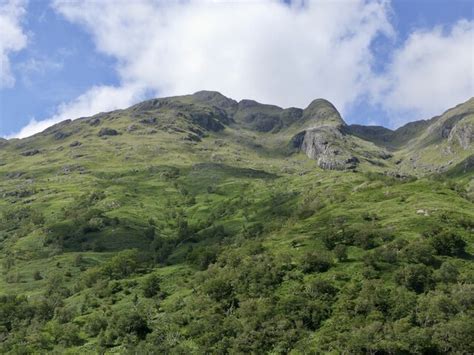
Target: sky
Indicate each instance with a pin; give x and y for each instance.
(380, 62)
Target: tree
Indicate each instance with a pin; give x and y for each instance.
(448, 272)
(151, 286)
(340, 251)
(316, 262)
(448, 243)
(121, 265)
(415, 277)
(420, 252)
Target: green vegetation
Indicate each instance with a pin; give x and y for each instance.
(153, 243)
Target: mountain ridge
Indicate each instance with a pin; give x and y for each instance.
(319, 131)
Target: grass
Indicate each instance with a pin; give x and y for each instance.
(236, 180)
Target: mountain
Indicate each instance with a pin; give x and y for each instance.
(200, 224)
(319, 131)
(430, 146)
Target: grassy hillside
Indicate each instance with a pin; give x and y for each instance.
(180, 230)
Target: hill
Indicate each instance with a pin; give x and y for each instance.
(200, 224)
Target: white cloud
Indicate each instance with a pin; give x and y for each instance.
(431, 72)
(267, 50)
(95, 100)
(12, 37)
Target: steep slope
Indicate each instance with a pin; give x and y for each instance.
(325, 138)
(187, 225)
(429, 146)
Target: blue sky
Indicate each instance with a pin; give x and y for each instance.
(380, 62)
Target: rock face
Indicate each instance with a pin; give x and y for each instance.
(265, 118)
(324, 138)
(59, 135)
(462, 133)
(325, 145)
(212, 120)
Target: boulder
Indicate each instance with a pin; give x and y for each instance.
(94, 122)
(149, 120)
(61, 135)
(107, 132)
(30, 152)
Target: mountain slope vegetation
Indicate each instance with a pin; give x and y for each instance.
(198, 224)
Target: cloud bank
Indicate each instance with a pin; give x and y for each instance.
(267, 50)
(95, 100)
(431, 72)
(12, 37)
(271, 52)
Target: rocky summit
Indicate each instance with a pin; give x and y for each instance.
(203, 225)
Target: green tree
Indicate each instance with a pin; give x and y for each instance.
(151, 286)
(316, 262)
(448, 243)
(340, 251)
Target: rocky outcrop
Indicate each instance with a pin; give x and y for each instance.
(107, 132)
(30, 152)
(326, 145)
(212, 120)
(462, 133)
(94, 122)
(265, 118)
(59, 135)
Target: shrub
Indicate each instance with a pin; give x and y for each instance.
(366, 239)
(121, 265)
(151, 286)
(316, 262)
(129, 323)
(415, 277)
(448, 272)
(448, 243)
(203, 256)
(340, 251)
(420, 252)
(253, 230)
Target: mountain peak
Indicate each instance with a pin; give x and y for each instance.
(321, 112)
(214, 98)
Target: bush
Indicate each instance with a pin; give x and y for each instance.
(415, 277)
(203, 256)
(95, 324)
(316, 262)
(420, 252)
(340, 251)
(129, 323)
(448, 243)
(151, 286)
(121, 265)
(448, 272)
(366, 239)
(253, 230)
